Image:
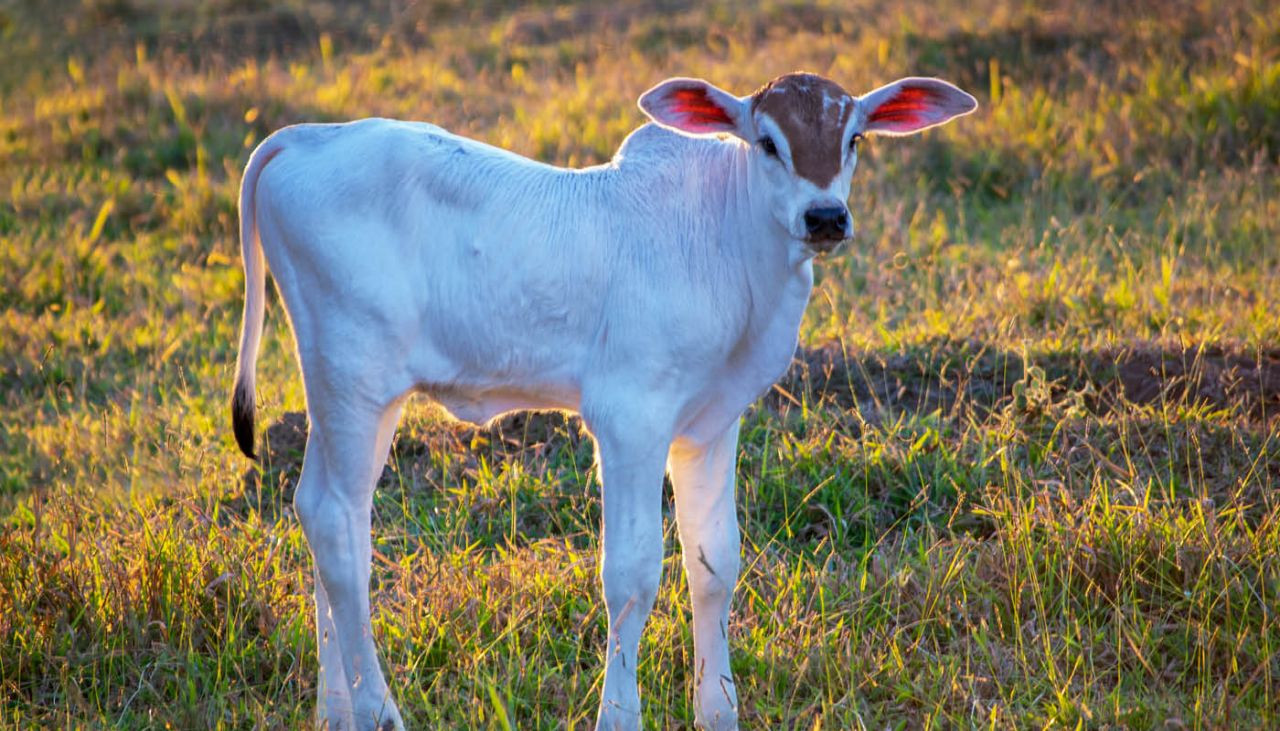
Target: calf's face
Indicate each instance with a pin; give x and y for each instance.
(803, 131)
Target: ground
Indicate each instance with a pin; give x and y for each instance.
(1023, 473)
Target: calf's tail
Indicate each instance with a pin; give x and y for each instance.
(255, 291)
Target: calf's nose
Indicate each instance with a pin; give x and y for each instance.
(827, 223)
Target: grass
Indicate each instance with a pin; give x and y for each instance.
(1023, 474)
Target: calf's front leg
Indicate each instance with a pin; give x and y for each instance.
(702, 476)
(630, 459)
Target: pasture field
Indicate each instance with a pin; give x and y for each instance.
(1023, 474)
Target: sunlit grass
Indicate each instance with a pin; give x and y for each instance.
(1024, 475)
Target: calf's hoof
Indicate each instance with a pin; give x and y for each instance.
(337, 718)
(614, 717)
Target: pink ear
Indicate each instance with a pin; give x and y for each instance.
(692, 106)
(913, 104)
(905, 109)
(698, 110)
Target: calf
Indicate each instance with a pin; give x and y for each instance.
(657, 295)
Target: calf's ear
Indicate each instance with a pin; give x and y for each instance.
(912, 104)
(696, 107)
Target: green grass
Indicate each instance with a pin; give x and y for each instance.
(1023, 475)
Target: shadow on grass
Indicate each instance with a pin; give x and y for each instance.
(878, 442)
(975, 378)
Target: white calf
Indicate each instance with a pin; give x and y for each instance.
(657, 295)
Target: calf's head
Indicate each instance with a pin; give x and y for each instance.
(803, 131)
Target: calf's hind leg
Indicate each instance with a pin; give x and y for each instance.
(333, 699)
(346, 450)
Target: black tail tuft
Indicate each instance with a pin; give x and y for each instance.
(242, 420)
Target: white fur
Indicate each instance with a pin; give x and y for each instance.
(657, 295)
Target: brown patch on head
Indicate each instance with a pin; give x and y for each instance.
(812, 112)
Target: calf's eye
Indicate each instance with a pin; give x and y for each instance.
(767, 144)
